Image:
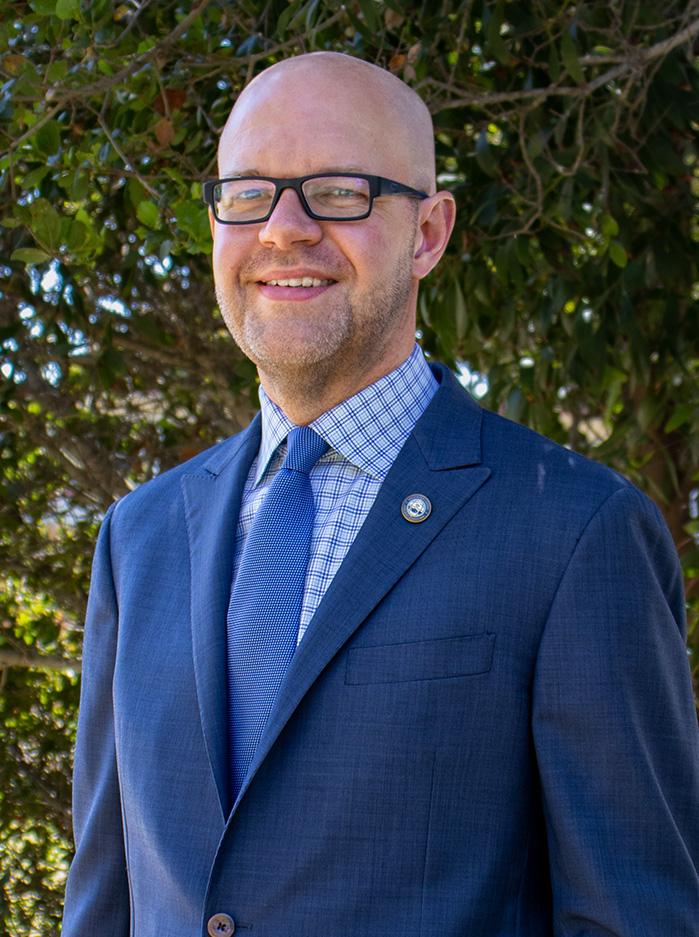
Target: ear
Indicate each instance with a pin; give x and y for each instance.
(212, 223)
(435, 224)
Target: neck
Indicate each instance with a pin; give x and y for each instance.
(305, 395)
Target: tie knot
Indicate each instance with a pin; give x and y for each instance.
(305, 448)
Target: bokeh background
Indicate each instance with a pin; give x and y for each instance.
(568, 298)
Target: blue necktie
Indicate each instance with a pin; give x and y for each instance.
(265, 605)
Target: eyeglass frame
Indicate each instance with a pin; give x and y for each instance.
(378, 186)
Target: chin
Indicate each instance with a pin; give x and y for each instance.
(291, 348)
(290, 359)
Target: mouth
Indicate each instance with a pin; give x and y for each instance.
(294, 288)
(296, 282)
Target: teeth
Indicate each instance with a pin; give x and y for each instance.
(302, 281)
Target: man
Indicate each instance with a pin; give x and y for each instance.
(471, 713)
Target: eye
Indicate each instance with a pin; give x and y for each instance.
(249, 195)
(338, 196)
(235, 194)
(338, 192)
(343, 193)
(231, 197)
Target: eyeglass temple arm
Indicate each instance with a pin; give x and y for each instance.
(389, 187)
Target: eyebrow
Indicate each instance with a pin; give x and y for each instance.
(349, 170)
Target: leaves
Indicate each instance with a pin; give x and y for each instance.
(484, 155)
(494, 41)
(164, 132)
(681, 415)
(568, 287)
(30, 255)
(570, 58)
(45, 224)
(148, 213)
(192, 218)
(617, 252)
(48, 138)
(370, 12)
(67, 9)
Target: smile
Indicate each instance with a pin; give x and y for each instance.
(303, 281)
(290, 289)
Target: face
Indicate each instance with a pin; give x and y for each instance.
(361, 304)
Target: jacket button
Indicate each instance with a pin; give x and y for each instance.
(220, 925)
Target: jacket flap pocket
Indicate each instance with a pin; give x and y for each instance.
(421, 660)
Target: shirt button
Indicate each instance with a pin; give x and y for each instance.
(220, 925)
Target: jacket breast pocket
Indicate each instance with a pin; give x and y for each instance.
(437, 659)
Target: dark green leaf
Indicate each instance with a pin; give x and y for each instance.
(681, 414)
(30, 255)
(569, 55)
(370, 11)
(45, 7)
(148, 213)
(34, 178)
(494, 41)
(46, 223)
(484, 155)
(67, 9)
(48, 138)
(618, 254)
(286, 16)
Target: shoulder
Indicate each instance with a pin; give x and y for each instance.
(533, 481)
(529, 458)
(517, 457)
(556, 491)
(160, 495)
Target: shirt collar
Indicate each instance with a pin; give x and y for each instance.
(370, 427)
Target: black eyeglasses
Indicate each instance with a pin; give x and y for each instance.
(328, 196)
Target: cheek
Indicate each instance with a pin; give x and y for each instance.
(218, 256)
(228, 251)
(369, 251)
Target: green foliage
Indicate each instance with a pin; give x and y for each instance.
(37, 726)
(568, 296)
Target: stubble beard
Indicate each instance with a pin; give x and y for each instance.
(353, 339)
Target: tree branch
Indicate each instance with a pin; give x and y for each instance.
(128, 165)
(38, 661)
(144, 58)
(630, 63)
(63, 96)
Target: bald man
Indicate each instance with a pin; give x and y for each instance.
(383, 664)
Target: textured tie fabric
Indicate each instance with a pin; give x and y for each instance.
(266, 598)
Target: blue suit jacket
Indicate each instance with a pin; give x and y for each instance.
(487, 731)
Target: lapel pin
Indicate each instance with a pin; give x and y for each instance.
(416, 508)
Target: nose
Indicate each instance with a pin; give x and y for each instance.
(289, 224)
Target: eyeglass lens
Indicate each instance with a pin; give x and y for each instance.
(327, 196)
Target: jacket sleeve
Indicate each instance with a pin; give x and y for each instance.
(97, 892)
(615, 733)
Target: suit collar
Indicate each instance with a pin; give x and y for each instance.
(434, 431)
(449, 431)
(223, 455)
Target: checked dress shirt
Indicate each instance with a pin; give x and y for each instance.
(365, 434)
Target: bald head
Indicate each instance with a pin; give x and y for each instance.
(341, 108)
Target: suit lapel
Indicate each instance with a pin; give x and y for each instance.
(441, 460)
(212, 503)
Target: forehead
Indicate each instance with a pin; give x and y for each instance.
(300, 126)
